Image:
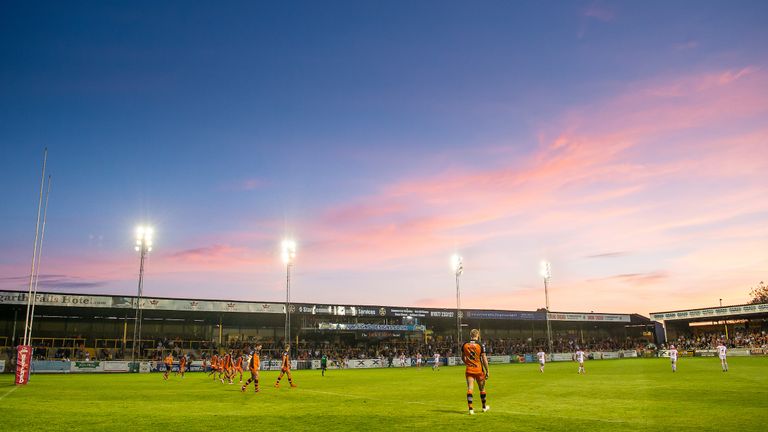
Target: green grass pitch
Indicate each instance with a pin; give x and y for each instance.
(638, 394)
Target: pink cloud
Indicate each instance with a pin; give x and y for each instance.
(605, 176)
(671, 169)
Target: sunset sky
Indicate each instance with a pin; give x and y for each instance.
(626, 142)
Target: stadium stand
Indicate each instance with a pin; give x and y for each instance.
(98, 327)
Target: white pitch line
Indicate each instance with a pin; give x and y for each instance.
(350, 396)
(8, 392)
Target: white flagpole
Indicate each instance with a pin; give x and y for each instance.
(39, 255)
(34, 251)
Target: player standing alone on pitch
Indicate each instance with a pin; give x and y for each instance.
(323, 364)
(542, 360)
(721, 352)
(436, 365)
(182, 364)
(474, 358)
(673, 357)
(580, 359)
(285, 368)
(253, 365)
(168, 365)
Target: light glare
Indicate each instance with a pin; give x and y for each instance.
(457, 264)
(288, 251)
(545, 269)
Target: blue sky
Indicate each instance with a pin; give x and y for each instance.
(385, 136)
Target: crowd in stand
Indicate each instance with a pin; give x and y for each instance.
(75, 348)
(709, 340)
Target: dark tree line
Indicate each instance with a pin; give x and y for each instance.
(759, 293)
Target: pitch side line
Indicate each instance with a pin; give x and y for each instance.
(7, 393)
(350, 396)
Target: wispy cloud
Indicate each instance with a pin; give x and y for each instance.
(52, 281)
(600, 12)
(247, 184)
(685, 46)
(608, 255)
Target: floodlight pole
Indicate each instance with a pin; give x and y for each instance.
(458, 316)
(458, 269)
(546, 272)
(288, 254)
(288, 302)
(143, 246)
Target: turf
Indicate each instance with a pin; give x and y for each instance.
(638, 394)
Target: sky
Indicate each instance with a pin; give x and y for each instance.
(625, 142)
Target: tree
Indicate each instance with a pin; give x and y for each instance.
(759, 293)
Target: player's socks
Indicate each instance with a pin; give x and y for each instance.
(469, 401)
(482, 399)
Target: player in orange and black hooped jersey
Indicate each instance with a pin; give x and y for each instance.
(228, 367)
(168, 365)
(221, 367)
(182, 364)
(285, 368)
(239, 367)
(473, 354)
(253, 365)
(214, 365)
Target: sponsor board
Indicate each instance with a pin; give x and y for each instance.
(738, 352)
(51, 366)
(499, 359)
(629, 354)
(115, 366)
(608, 355)
(561, 357)
(201, 305)
(557, 316)
(121, 302)
(2, 366)
(368, 363)
(505, 315)
(704, 353)
(86, 366)
(372, 327)
(43, 299)
(711, 312)
(145, 367)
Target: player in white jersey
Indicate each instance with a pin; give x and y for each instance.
(418, 359)
(721, 352)
(436, 366)
(580, 359)
(673, 357)
(402, 360)
(542, 359)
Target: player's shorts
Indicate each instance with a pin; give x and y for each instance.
(238, 369)
(541, 363)
(674, 360)
(722, 357)
(284, 370)
(477, 376)
(168, 367)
